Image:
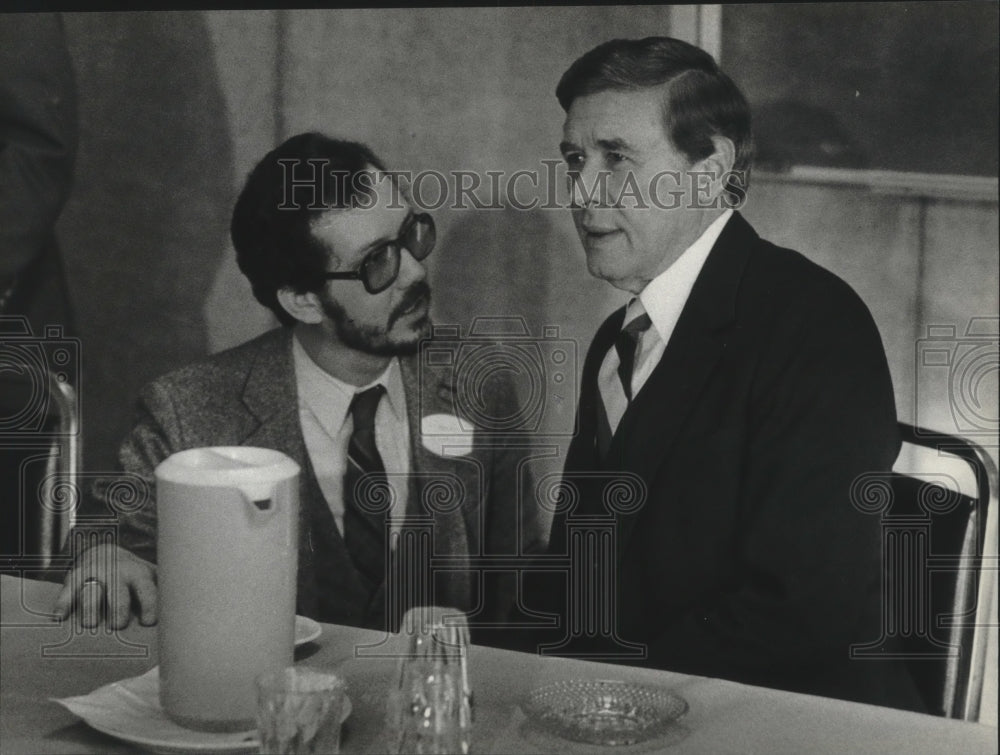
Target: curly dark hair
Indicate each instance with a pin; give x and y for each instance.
(293, 184)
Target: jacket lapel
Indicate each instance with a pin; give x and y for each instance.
(651, 425)
(446, 489)
(271, 396)
(582, 454)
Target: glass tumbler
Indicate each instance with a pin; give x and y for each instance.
(300, 711)
(430, 706)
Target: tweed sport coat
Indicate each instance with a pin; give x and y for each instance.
(247, 396)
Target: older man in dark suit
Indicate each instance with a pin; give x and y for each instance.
(333, 248)
(740, 393)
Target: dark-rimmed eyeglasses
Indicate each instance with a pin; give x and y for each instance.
(379, 268)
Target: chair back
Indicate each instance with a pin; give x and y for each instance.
(935, 539)
(60, 492)
(40, 462)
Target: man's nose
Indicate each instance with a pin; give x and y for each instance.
(589, 186)
(411, 270)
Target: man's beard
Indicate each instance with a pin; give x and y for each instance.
(372, 339)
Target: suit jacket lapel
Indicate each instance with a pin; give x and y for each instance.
(652, 423)
(582, 454)
(444, 488)
(271, 396)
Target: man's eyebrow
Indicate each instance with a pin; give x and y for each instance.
(608, 145)
(383, 239)
(615, 145)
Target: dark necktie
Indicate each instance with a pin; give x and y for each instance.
(625, 345)
(364, 530)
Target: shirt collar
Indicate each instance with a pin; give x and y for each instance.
(664, 297)
(329, 398)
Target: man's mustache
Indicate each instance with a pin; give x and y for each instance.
(418, 292)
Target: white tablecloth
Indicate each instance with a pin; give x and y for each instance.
(41, 659)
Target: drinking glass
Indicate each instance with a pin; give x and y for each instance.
(299, 711)
(430, 706)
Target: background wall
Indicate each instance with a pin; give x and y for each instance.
(176, 107)
(145, 226)
(871, 108)
(916, 261)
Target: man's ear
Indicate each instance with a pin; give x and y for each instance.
(304, 307)
(719, 164)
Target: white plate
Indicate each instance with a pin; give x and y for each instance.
(306, 630)
(130, 710)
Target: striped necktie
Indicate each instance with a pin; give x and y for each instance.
(364, 493)
(625, 345)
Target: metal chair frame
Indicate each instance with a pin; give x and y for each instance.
(52, 505)
(975, 574)
(62, 468)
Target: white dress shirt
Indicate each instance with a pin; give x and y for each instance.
(324, 414)
(662, 299)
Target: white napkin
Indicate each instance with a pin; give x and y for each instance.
(130, 709)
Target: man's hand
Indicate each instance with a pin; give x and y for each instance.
(109, 578)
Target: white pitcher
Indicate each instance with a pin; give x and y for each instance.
(227, 554)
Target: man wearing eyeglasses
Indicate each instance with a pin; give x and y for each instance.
(331, 246)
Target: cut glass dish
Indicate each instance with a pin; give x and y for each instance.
(603, 712)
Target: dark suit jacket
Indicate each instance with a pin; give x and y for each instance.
(38, 140)
(247, 396)
(746, 558)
